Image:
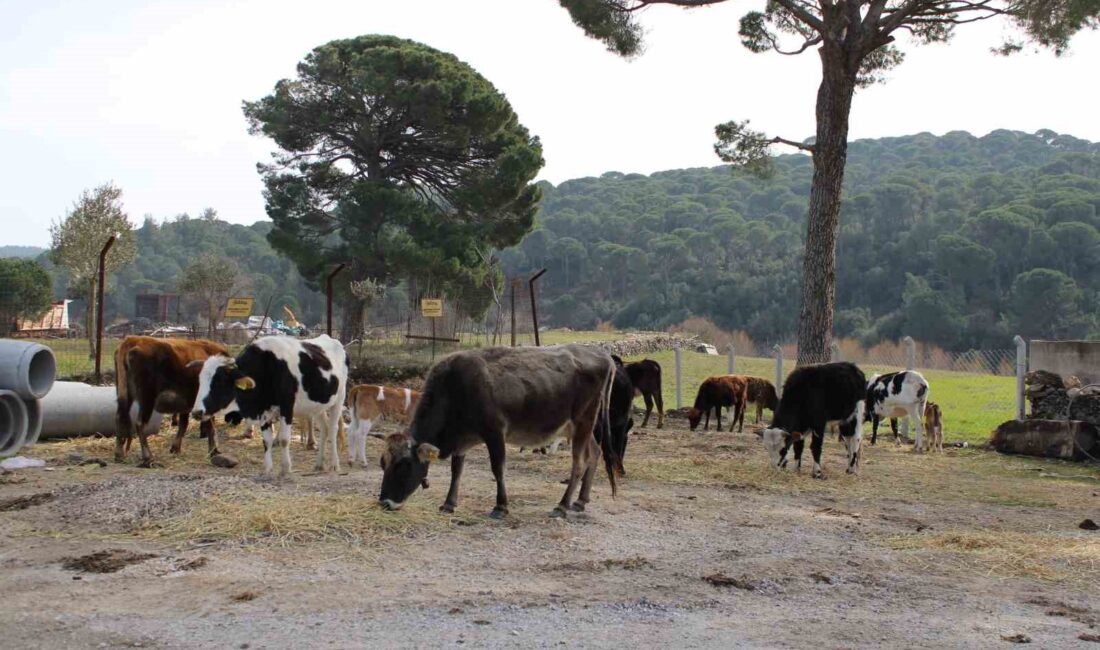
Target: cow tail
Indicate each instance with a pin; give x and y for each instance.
(610, 459)
(121, 389)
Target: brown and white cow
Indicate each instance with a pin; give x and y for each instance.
(497, 395)
(366, 405)
(156, 374)
(730, 391)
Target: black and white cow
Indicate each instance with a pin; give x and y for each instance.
(895, 395)
(813, 396)
(490, 396)
(271, 382)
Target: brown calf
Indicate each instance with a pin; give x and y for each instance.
(730, 391)
(154, 373)
(761, 392)
(366, 404)
(933, 427)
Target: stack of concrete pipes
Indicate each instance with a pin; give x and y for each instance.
(33, 405)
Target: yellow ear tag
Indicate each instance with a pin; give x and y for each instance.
(246, 383)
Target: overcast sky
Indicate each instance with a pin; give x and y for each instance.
(148, 94)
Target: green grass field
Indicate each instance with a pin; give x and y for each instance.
(973, 404)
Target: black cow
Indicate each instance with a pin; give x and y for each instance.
(525, 396)
(645, 377)
(812, 396)
(619, 415)
(272, 381)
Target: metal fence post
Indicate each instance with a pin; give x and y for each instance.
(778, 350)
(834, 351)
(729, 360)
(679, 376)
(98, 307)
(1021, 370)
(910, 361)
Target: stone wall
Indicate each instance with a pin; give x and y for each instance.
(1079, 359)
(633, 345)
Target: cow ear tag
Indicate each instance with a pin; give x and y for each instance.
(427, 453)
(246, 383)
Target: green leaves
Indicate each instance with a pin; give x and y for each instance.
(607, 21)
(397, 157)
(739, 145)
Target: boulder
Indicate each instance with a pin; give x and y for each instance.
(1065, 439)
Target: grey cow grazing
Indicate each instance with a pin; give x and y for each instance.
(524, 396)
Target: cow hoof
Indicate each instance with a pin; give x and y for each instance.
(174, 450)
(146, 463)
(578, 506)
(558, 513)
(498, 514)
(311, 447)
(819, 476)
(564, 481)
(449, 509)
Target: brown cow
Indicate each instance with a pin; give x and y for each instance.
(366, 404)
(933, 426)
(154, 373)
(761, 392)
(730, 391)
(645, 377)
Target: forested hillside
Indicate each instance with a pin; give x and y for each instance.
(957, 240)
(20, 251)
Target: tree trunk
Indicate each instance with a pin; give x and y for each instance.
(91, 317)
(834, 103)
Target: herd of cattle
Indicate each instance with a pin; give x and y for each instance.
(531, 397)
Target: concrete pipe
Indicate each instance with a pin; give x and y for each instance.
(34, 421)
(26, 368)
(13, 423)
(76, 409)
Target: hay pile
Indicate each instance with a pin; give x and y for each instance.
(1049, 557)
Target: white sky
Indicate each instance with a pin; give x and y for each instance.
(148, 94)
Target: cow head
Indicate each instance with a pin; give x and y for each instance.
(777, 441)
(219, 381)
(694, 415)
(404, 467)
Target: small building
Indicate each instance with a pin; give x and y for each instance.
(157, 307)
(55, 322)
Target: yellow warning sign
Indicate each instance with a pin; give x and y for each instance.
(431, 307)
(238, 308)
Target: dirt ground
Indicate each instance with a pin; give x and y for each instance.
(705, 546)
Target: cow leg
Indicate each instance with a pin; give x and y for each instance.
(798, 446)
(816, 443)
(334, 423)
(592, 455)
(353, 437)
(851, 431)
(180, 420)
(917, 424)
(894, 429)
(706, 419)
(874, 429)
(648, 408)
(267, 432)
(583, 434)
(207, 428)
(364, 433)
(319, 462)
(283, 443)
(451, 502)
(144, 415)
(124, 429)
(718, 414)
(759, 412)
(744, 406)
(495, 443)
(660, 409)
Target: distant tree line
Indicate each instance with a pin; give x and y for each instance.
(956, 240)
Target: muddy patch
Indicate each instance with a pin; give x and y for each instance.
(108, 561)
(24, 502)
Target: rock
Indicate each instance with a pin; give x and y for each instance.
(226, 461)
(1016, 638)
(1070, 440)
(1088, 524)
